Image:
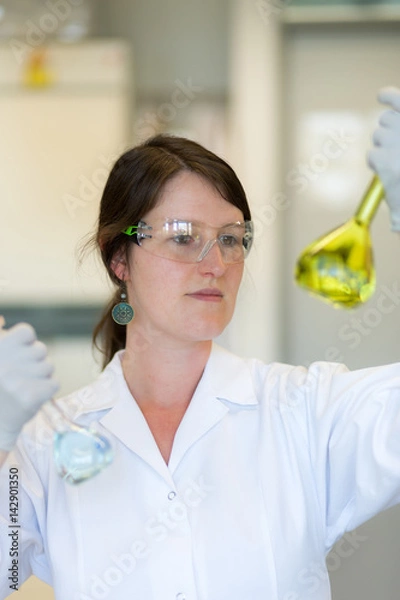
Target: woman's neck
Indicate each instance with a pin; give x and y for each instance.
(163, 374)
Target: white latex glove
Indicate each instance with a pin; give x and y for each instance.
(25, 380)
(384, 158)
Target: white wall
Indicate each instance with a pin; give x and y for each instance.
(178, 39)
(254, 152)
(57, 145)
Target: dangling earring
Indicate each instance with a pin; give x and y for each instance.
(122, 313)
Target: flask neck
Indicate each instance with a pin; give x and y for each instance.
(370, 202)
(55, 416)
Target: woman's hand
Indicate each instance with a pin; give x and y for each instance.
(384, 158)
(25, 380)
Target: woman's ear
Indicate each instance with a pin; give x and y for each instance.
(119, 265)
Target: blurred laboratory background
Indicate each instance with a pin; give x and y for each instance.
(286, 92)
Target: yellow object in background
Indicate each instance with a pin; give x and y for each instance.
(37, 71)
(338, 267)
(33, 589)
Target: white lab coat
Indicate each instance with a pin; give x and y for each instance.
(270, 466)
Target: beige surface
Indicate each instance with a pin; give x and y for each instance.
(33, 589)
(64, 140)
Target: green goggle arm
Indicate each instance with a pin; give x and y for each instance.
(131, 230)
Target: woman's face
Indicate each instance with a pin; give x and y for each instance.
(177, 300)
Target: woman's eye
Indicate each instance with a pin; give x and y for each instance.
(228, 240)
(182, 239)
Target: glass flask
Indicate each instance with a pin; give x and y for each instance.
(80, 453)
(338, 267)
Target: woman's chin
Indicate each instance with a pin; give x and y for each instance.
(208, 330)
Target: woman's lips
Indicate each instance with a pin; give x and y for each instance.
(207, 295)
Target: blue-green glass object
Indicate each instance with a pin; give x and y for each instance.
(80, 454)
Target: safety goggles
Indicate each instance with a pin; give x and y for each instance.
(191, 241)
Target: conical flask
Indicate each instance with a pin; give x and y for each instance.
(338, 267)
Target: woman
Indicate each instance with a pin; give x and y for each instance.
(231, 478)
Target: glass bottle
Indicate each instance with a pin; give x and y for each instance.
(338, 267)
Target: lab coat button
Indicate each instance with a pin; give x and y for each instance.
(180, 596)
(171, 496)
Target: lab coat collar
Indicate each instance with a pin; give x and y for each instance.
(229, 376)
(226, 385)
(226, 377)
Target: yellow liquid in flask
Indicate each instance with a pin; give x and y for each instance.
(338, 267)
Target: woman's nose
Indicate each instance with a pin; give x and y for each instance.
(210, 258)
(207, 247)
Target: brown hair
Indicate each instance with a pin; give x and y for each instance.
(133, 188)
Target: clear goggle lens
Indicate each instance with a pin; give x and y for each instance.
(190, 241)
